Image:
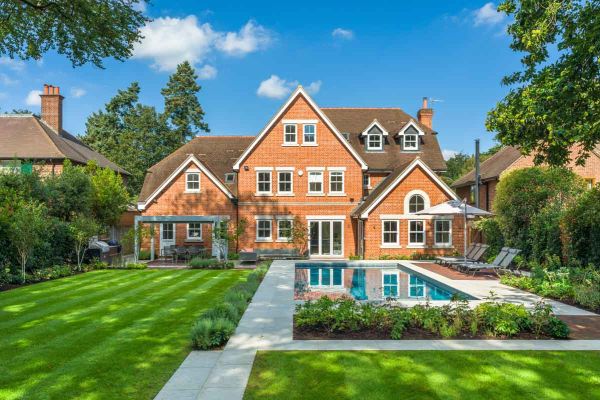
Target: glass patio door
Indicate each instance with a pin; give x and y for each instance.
(326, 238)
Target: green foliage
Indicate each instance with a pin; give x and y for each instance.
(82, 229)
(545, 234)
(209, 263)
(182, 107)
(580, 225)
(32, 28)
(555, 99)
(502, 319)
(26, 229)
(210, 333)
(144, 255)
(522, 193)
(133, 265)
(69, 193)
(492, 234)
(461, 163)
(109, 198)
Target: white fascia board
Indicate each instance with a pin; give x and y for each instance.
(179, 170)
(408, 125)
(374, 123)
(414, 164)
(299, 91)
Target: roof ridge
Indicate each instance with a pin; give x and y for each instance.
(39, 123)
(361, 108)
(223, 136)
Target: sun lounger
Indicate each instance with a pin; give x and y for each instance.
(476, 256)
(502, 261)
(470, 251)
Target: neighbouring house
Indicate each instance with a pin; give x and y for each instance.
(353, 177)
(29, 142)
(508, 159)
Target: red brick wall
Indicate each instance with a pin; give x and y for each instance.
(393, 204)
(173, 200)
(270, 153)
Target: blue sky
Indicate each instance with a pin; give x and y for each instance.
(250, 54)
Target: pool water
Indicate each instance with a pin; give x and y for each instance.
(367, 282)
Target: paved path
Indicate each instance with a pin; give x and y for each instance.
(267, 325)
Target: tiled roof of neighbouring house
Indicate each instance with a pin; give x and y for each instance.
(27, 137)
(217, 153)
(354, 121)
(492, 167)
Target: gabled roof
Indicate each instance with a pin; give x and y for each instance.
(392, 181)
(353, 121)
(216, 153)
(28, 137)
(492, 167)
(410, 123)
(300, 92)
(376, 123)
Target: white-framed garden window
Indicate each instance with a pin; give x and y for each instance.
(442, 232)
(192, 182)
(336, 182)
(326, 277)
(285, 182)
(284, 229)
(389, 284)
(309, 137)
(194, 231)
(290, 134)
(263, 182)
(315, 182)
(416, 233)
(390, 233)
(264, 230)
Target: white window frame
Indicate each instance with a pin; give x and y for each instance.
(187, 182)
(284, 238)
(435, 232)
(304, 142)
(286, 192)
(315, 173)
(331, 285)
(337, 192)
(423, 284)
(285, 133)
(385, 244)
(258, 181)
(416, 140)
(264, 239)
(383, 284)
(367, 185)
(424, 231)
(193, 238)
(409, 196)
(230, 175)
(369, 148)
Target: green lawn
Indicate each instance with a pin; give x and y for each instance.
(103, 334)
(422, 375)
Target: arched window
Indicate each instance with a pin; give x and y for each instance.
(416, 203)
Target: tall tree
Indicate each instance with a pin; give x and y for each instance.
(554, 101)
(131, 134)
(85, 31)
(182, 107)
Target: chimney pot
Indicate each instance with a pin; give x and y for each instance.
(424, 102)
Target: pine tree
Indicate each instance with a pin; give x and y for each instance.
(182, 108)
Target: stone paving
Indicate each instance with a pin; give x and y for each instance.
(267, 325)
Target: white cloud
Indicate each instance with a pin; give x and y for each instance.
(488, 15)
(15, 65)
(77, 92)
(250, 38)
(314, 87)
(343, 33)
(278, 88)
(447, 153)
(170, 41)
(7, 80)
(207, 72)
(33, 98)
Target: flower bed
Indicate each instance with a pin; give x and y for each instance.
(216, 325)
(209, 263)
(347, 319)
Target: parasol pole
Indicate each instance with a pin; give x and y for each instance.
(464, 202)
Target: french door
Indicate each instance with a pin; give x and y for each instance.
(326, 238)
(167, 236)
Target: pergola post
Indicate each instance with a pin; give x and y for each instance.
(151, 242)
(136, 222)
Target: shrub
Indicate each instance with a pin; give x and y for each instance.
(233, 256)
(490, 229)
(504, 319)
(144, 255)
(209, 333)
(224, 310)
(556, 328)
(209, 263)
(136, 266)
(580, 226)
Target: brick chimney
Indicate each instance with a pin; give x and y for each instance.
(52, 107)
(425, 114)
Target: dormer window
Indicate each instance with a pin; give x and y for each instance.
(409, 136)
(411, 142)
(374, 139)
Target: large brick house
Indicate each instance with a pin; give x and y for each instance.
(353, 176)
(29, 142)
(508, 159)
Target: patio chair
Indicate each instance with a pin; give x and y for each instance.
(168, 251)
(476, 256)
(471, 250)
(181, 252)
(248, 256)
(502, 261)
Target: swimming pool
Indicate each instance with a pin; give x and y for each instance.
(368, 281)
